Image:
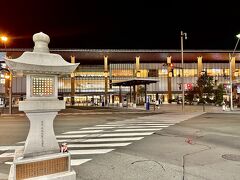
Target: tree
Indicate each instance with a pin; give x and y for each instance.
(205, 88)
(219, 95)
(190, 94)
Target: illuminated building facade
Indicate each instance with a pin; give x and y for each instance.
(91, 82)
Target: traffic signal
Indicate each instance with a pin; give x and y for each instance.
(189, 86)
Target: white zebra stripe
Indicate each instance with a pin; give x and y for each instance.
(90, 151)
(82, 132)
(114, 139)
(129, 130)
(97, 128)
(126, 134)
(126, 127)
(74, 162)
(101, 140)
(7, 155)
(71, 136)
(5, 148)
(98, 145)
(106, 135)
(77, 162)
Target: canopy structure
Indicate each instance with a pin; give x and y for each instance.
(134, 82)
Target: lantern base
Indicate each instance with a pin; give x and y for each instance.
(52, 166)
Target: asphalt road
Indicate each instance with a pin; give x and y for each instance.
(203, 147)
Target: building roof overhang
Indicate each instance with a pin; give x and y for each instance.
(135, 81)
(95, 56)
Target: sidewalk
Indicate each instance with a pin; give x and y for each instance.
(163, 108)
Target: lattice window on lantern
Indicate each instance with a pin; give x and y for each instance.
(42, 86)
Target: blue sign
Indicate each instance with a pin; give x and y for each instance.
(2, 55)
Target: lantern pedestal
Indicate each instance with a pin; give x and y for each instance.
(52, 167)
(41, 158)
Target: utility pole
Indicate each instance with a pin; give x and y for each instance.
(183, 98)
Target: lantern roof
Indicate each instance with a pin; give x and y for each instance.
(40, 61)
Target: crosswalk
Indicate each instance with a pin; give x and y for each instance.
(104, 138)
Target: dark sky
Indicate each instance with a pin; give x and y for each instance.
(124, 24)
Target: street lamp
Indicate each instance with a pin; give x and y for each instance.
(4, 40)
(183, 98)
(230, 71)
(8, 86)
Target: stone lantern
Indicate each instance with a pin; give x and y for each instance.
(41, 157)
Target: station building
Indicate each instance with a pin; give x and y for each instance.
(95, 79)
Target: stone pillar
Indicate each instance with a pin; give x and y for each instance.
(145, 92)
(233, 65)
(169, 78)
(199, 66)
(72, 83)
(106, 80)
(137, 75)
(137, 68)
(130, 94)
(120, 96)
(134, 96)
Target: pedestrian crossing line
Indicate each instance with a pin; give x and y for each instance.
(77, 162)
(126, 134)
(90, 151)
(138, 122)
(105, 135)
(9, 155)
(5, 148)
(96, 128)
(8, 162)
(71, 136)
(98, 145)
(145, 124)
(74, 162)
(149, 125)
(82, 132)
(105, 125)
(101, 140)
(134, 127)
(129, 130)
(114, 139)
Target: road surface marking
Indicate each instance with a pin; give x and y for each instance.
(5, 148)
(82, 132)
(71, 136)
(90, 151)
(74, 162)
(98, 128)
(77, 162)
(128, 130)
(126, 134)
(98, 145)
(7, 155)
(114, 139)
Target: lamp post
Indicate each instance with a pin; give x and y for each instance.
(183, 35)
(8, 77)
(230, 71)
(4, 40)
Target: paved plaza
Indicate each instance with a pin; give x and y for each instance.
(135, 144)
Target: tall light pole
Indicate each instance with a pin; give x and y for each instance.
(230, 72)
(183, 98)
(4, 40)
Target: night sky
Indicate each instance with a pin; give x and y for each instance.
(125, 24)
